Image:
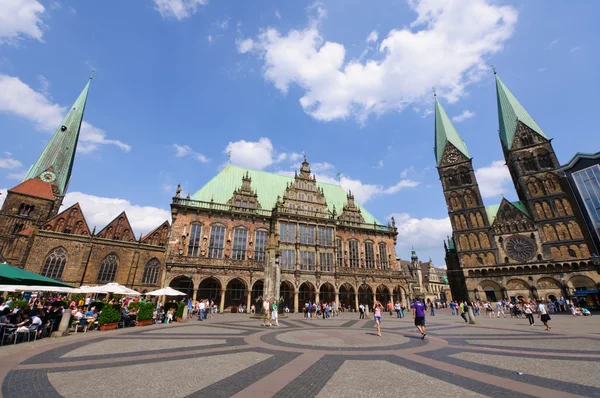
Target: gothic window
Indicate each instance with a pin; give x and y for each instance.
(473, 219)
(325, 236)
(585, 252)
(217, 240)
(550, 232)
(25, 210)
(340, 252)
(479, 260)
(539, 211)
(465, 176)
(479, 219)
(194, 242)
(307, 234)
(543, 160)
(369, 255)
(564, 252)
(287, 232)
(575, 230)
(55, 264)
(526, 138)
(575, 251)
(470, 199)
(455, 201)
(260, 244)
(567, 206)
(474, 241)
(529, 163)
(562, 231)
(555, 253)
(560, 209)
(547, 210)
(552, 183)
(484, 240)
(457, 222)
(383, 256)
(287, 260)
(151, 272)
(453, 181)
(17, 228)
(491, 259)
(307, 261)
(310, 198)
(326, 261)
(240, 237)
(354, 258)
(108, 269)
(464, 242)
(466, 260)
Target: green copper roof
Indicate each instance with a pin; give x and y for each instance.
(267, 186)
(493, 210)
(60, 151)
(445, 132)
(510, 111)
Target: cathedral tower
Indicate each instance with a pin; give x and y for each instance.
(470, 224)
(533, 167)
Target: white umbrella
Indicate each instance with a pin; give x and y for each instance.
(167, 291)
(7, 288)
(114, 288)
(56, 289)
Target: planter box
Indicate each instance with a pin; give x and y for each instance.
(108, 326)
(177, 319)
(145, 322)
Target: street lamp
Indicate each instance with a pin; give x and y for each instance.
(596, 261)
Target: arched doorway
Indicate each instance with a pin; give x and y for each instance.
(365, 295)
(327, 293)
(347, 296)
(383, 294)
(235, 294)
(209, 289)
(257, 291)
(286, 294)
(398, 294)
(491, 290)
(306, 293)
(184, 285)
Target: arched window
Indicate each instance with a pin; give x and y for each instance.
(55, 264)
(529, 164)
(544, 161)
(108, 269)
(151, 272)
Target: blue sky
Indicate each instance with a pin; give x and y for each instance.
(179, 83)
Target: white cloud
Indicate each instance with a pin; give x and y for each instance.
(406, 171)
(426, 235)
(447, 46)
(224, 24)
(2, 195)
(99, 211)
(494, 179)
(254, 155)
(551, 44)
(245, 45)
(16, 176)
(178, 9)
(9, 162)
(19, 19)
(541, 70)
(319, 167)
(373, 36)
(277, 14)
(467, 114)
(19, 99)
(574, 49)
(210, 38)
(185, 150)
(379, 165)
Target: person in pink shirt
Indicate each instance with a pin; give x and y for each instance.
(377, 310)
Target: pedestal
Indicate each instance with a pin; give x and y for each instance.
(471, 315)
(222, 304)
(295, 302)
(63, 328)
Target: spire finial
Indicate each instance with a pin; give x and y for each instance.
(229, 156)
(493, 68)
(434, 92)
(93, 73)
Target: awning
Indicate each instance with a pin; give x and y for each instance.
(10, 275)
(167, 291)
(26, 288)
(585, 292)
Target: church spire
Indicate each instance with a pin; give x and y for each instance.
(446, 133)
(510, 112)
(59, 154)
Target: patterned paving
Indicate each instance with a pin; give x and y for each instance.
(232, 355)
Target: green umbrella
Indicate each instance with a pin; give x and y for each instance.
(10, 275)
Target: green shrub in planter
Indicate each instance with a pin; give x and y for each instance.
(110, 314)
(180, 308)
(146, 311)
(170, 305)
(20, 303)
(98, 304)
(135, 304)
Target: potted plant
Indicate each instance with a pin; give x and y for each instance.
(179, 313)
(109, 317)
(145, 314)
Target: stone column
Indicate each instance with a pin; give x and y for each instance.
(471, 316)
(295, 301)
(356, 302)
(337, 300)
(222, 304)
(317, 297)
(375, 299)
(195, 295)
(249, 301)
(63, 328)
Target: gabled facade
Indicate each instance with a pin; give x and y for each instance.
(514, 249)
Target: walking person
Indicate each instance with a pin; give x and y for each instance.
(397, 308)
(543, 314)
(377, 312)
(432, 309)
(274, 315)
(361, 309)
(464, 309)
(201, 310)
(529, 314)
(418, 310)
(500, 310)
(266, 319)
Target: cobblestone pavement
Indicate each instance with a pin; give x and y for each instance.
(232, 355)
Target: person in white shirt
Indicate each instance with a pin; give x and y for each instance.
(529, 314)
(543, 314)
(202, 309)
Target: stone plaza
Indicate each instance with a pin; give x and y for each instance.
(233, 355)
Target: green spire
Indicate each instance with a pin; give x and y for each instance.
(445, 132)
(510, 111)
(60, 151)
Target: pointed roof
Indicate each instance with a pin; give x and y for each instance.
(492, 210)
(268, 186)
(445, 132)
(35, 187)
(70, 217)
(510, 112)
(118, 229)
(60, 150)
(161, 237)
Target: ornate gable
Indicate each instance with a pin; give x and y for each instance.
(351, 211)
(303, 195)
(525, 136)
(244, 196)
(118, 229)
(452, 156)
(158, 236)
(512, 218)
(70, 221)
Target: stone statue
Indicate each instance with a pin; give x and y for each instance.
(178, 191)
